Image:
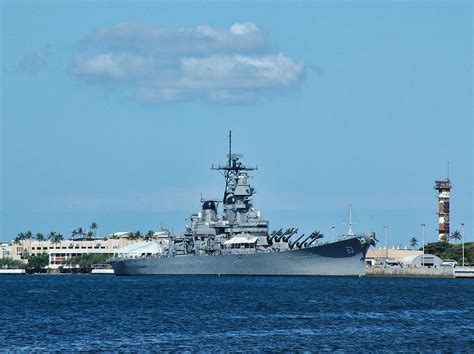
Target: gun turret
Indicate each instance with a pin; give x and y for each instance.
(272, 236)
(279, 235)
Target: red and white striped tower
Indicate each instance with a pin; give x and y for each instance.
(443, 186)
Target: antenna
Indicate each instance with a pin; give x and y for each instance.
(231, 170)
(230, 147)
(350, 233)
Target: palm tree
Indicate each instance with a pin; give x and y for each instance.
(149, 235)
(40, 238)
(80, 232)
(73, 234)
(94, 227)
(55, 237)
(19, 238)
(456, 235)
(138, 235)
(89, 235)
(59, 237)
(413, 242)
(315, 235)
(22, 236)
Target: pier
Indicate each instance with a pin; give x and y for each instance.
(420, 272)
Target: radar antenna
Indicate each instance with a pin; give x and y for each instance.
(231, 170)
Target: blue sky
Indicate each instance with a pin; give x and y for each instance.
(114, 111)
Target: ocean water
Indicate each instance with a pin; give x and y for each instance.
(108, 313)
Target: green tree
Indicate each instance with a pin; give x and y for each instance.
(40, 237)
(10, 263)
(445, 250)
(56, 237)
(19, 238)
(413, 242)
(456, 235)
(94, 228)
(37, 263)
(89, 235)
(149, 235)
(316, 235)
(85, 262)
(51, 236)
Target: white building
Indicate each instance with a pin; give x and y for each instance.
(59, 253)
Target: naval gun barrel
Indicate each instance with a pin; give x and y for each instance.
(279, 235)
(300, 244)
(287, 238)
(309, 244)
(272, 236)
(282, 235)
(315, 235)
(292, 244)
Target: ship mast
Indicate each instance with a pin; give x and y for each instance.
(231, 170)
(350, 232)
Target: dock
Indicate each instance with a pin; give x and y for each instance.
(464, 272)
(420, 272)
(12, 271)
(102, 271)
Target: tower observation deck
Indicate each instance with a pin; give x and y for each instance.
(443, 186)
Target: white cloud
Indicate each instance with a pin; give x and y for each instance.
(236, 64)
(242, 72)
(123, 66)
(242, 29)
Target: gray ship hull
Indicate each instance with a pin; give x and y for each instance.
(346, 257)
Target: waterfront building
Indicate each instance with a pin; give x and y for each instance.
(60, 252)
(420, 260)
(394, 255)
(4, 252)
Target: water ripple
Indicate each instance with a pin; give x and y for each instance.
(106, 313)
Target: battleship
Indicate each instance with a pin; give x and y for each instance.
(229, 237)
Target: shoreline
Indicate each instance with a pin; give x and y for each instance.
(371, 272)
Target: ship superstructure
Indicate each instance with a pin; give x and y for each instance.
(229, 236)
